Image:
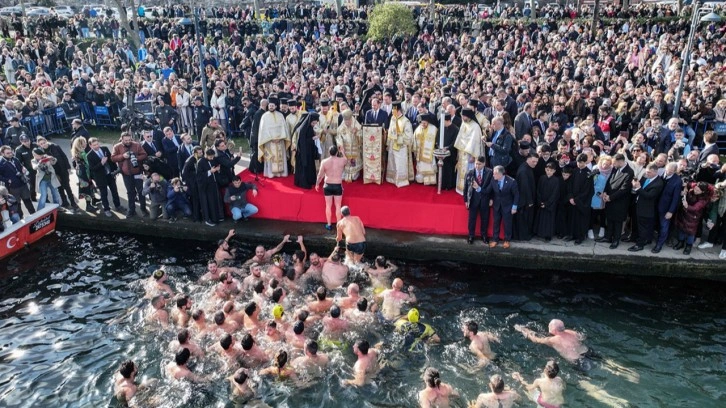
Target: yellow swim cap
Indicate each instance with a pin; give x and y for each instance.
(277, 311)
(413, 315)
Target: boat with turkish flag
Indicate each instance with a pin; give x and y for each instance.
(28, 231)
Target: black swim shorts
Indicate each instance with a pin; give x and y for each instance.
(333, 189)
(358, 248)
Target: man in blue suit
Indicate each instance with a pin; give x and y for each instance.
(477, 186)
(376, 115)
(668, 203)
(505, 195)
(171, 143)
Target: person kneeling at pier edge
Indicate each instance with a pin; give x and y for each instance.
(236, 197)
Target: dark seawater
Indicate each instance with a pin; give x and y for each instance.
(72, 310)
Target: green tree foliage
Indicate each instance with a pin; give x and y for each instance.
(389, 20)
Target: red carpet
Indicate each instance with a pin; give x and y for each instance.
(415, 208)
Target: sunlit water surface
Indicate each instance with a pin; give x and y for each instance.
(71, 311)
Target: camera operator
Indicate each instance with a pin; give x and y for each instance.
(236, 197)
(129, 154)
(15, 178)
(156, 188)
(177, 200)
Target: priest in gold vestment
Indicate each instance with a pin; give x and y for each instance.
(469, 145)
(424, 143)
(399, 169)
(351, 142)
(274, 141)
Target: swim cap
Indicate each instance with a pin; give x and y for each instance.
(413, 315)
(277, 311)
(158, 274)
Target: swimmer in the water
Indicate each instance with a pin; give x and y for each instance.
(272, 332)
(566, 342)
(437, 393)
(278, 313)
(350, 301)
(296, 336)
(315, 270)
(480, 342)
(159, 313)
(180, 314)
(125, 382)
(252, 319)
(224, 325)
(178, 369)
(366, 367)
(230, 313)
(334, 327)
(224, 253)
(548, 389)
(252, 354)
(321, 304)
(200, 322)
(394, 298)
(240, 384)
(228, 348)
(380, 274)
(255, 275)
(279, 367)
(213, 272)
(228, 287)
(159, 285)
(414, 332)
(360, 315)
(183, 340)
(334, 273)
(498, 397)
(312, 358)
(263, 257)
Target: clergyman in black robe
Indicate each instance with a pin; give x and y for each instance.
(448, 171)
(524, 218)
(548, 196)
(209, 199)
(189, 177)
(255, 166)
(307, 152)
(563, 223)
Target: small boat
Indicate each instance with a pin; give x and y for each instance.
(28, 231)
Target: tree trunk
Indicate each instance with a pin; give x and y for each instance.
(133, 33)
(595, 16)
(680, 7)
(339, 7)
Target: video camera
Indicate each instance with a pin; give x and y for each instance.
(136, 121)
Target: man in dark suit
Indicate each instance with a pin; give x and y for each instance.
(510, 105)
(648, 191)
(151, 147)
(505, 196)
(186, 150)
(376, 115)
(171, 144)
(523, 121)
(710, 147)
(226, 160)
(500, 144)
(668, 203)
(477, 185)
(617, 200)
(580, 197)
(102, 168)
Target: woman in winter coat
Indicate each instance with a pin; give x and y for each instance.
(688, 218)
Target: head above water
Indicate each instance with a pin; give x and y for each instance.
(182, 356)
(432, 377)
(556, 326)
(496, 383)
(240, 376)
(127, 369)
(551, 369)
(413, 315)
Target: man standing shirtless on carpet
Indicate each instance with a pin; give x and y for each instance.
(355, 235)
(332, 170)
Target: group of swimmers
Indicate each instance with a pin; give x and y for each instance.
(261, 324)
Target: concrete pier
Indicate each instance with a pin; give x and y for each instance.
(589, 257)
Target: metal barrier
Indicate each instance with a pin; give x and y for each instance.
(103, 117)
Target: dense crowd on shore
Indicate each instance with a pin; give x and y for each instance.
(583, 127)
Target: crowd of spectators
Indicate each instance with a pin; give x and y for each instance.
(610, 93)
